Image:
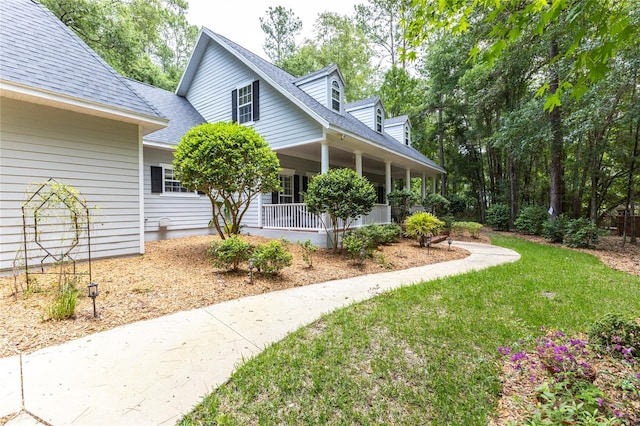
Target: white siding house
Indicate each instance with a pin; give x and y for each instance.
(65, 114)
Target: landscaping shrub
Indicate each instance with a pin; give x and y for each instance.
(420, 225)
(357, 243)
(531, 220)
(581, 233)
(272, 257)
(308, 251)
(553, 229)
(230, 253)
(401, 202)
(379, 235)
(473, 228)
(616, 335)
(457, 204)
(498, 217)
(436, 204)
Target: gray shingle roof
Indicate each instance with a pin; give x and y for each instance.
(396, 120)
(363, 102)
(346, 122)
(38, 51)
(181, 114)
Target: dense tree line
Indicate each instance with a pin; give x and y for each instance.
(524, 103)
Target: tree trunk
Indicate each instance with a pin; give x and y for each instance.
(443, 176)
(555, 119)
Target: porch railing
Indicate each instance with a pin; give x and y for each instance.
(296, 217)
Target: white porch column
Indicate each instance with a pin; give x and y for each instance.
(433, 184)
(407, 181)
(387, 178)
(387, 187)
(358, 155)
(324, 157)
(423, 189)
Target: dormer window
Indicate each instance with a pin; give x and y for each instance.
(378, 120)
(407, 135)
(245, 103)
(335, 96)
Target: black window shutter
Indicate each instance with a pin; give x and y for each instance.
(256, 100)
(305, 183)
(296, 188)
(234, 105)
(156, 179)
(274, 197)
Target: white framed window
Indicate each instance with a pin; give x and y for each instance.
(407, 135)
(286, 189)
(379, 120)
(245, 104)
(336, 96)
(163, 181)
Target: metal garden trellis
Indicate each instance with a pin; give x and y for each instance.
(63, 196)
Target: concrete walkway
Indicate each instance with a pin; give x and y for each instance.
(152, 372)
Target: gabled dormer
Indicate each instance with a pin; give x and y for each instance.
(325, 86)
(399, 128)
(370, 111)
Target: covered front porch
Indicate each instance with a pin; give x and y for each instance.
(381, 165)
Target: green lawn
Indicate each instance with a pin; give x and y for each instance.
(424, 354)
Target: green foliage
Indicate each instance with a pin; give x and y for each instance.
(230, 253)
(616, 335)
(337, 40)
(270, 258)
(358, 246)
(66, 297)
(308, 250)
(422, 224)
(554, 228)
(581, 233)
(436, 204)
(498, 217)
(401, 202)
(457, 204)
(146, 40)
(341, 194)
(232, 164)
(280, 27)
(473, 228)
(531, 220)
(380, 235)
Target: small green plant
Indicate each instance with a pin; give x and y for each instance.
(358, 246)
(401, 202)
(230, 252)
(66, 298)
(308, 250)
(420, 225)
(616, 335)
(581, 233)
(436, 204)
(531, 220)
(554, 228)
(473, 228)
(270, 258)
(498, 217)
(380, 235)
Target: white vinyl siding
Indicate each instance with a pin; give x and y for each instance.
(317, 89)
(397, 131)
(98, 157)
(185, 211)
(281, 122)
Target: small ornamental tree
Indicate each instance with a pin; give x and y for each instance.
(343, 195)
(231, 164)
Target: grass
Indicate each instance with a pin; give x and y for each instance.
(425, 354)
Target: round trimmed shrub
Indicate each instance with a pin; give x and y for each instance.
(498, 217)
(531, 220)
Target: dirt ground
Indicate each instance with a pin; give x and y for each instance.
(175, 275)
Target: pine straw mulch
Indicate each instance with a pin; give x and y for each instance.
(176, 275)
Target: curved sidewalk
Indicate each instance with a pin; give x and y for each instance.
(152, 372)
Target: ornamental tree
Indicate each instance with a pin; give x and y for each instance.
(342, 195)
(231, 164)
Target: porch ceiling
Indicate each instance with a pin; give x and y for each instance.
(341, 154)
